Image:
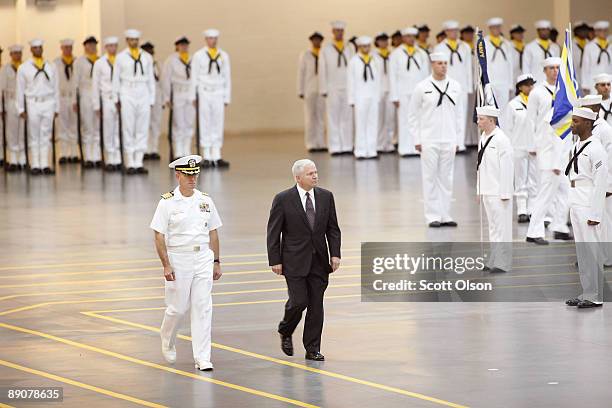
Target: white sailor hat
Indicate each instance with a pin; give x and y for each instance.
(187, 164)
(601, 25)
(590, 100)
(36, 42)
(15, 48)
(211, 33)
(602, 78)
(495, 21)
(438, 56)
(111, 40)
(525, 77)
(410, 31)
(450, 25)
(488, 111)
(338, 24)
(551, 61)
(132, 33)
(363, 40)
(584, 113)
(542, 24)
(66, 41)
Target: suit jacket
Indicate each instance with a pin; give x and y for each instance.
(291, 241)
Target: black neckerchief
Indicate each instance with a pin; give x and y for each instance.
(443, 94)
(601, 52)
(316, 58)
(482, 150)
(137, 63)
(500, 49)
(214, 61)
(547, 53)
(67, 69)
(581, 53)
(41, 70)
(574, 159)
(455, 51)
(187, 67)
(111, 67)
(606, 112)
(520, 52)
(341, 56)
(385, 60)
(91, 67)
(411, 58)
(367, 68)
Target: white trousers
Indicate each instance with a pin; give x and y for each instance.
(472, 134)
(405, 135)
(40, 126)
(462, 107)
(366, 126)
(192, 289)
(386, 124)
(437, 169)
(502, 96)
(607, 232)
(183, 122)
(155, 127)
(67, 135)
(110, 119)
(15, 141)
(525, 181)
(588, 251)
(135, 116)
(339, 122)
(314, 121)
(90, 128)
(499, 217)
(211, 115)
(550, 187)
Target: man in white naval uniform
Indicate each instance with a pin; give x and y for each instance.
(436, 117)
(90, 131)
(364, 89)
(15, 151)
(495, 187)
(185, 226)
(579, 42)
(333, 63)
(37, 98)
(597, 56)
(308, 91)
(602, 87)
(156, 110)
(549, 154)
(587, 170)
(519, 128)
(134, 92)
(104, 106)
(67, 120)
(176, 85)
(460, 69)
(538, 50)
(409, 65)
(211, 80)
(386, 109)
(499, 63)
(517, 35)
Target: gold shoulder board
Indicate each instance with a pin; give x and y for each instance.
(167, 195)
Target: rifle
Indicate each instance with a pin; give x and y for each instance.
(198, 123)
(79, 135)
(4, 156)
(102, 132)
(25, 132)
(170, 116)
(120, 135)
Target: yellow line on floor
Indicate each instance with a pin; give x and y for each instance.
(291, 364)
(156, 366)
(5, 406)
(78, 292)
(80, 384)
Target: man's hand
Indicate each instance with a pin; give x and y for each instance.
(217, 271)
(118, 105)
(589, 222)
(168, 105)
(24, 115)
(169, 274)
(97, 113)
(417, 147)
(396, 103)
(75, 108)
(55, 115)
(324, 95)
(195, 105)
(301, 96)
(335, 263)
(277, 269)
(532, 153)
(557, 171)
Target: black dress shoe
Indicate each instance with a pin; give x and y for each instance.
(63, 160)
(409, 155)
(47, 171)
(142, 170)
(88, 164)
(131, 170)
(565, 236)
(315, 356)
(222, 164)
(586, 304)
(35, 172)
(486, 268)
(497, 270)
(154, 156)
(12, 167)
(75, 160)
(286, 345)
(448, 224)
(206, 164)
(146, 156)
(335, 154)
(573, 302)
(538, 241)
(546, 224)
(523, 218)
(98, 163)
(434, 224)
(109, 168)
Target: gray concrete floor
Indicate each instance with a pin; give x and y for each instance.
(81, 299)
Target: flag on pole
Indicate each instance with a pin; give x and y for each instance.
(484, 92)
(566, 91)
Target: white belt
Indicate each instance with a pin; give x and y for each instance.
(39, 99)
(188, 248)
(211, 88)
(180, 88)
(581, 183)
(132, 84)
(66, 94)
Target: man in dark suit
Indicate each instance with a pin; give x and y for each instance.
(301, 225)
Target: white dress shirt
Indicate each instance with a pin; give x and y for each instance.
(303, 197)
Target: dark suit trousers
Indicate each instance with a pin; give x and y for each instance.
(306, 293)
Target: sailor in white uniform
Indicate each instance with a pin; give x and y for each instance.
(602, 87)
(67, 120)
(597, 56)
(386, 109)
(538, 50)
(499, 63)
(15, 141)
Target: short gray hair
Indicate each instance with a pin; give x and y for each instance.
(298, 166)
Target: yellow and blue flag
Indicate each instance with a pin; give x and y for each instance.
(566, 92)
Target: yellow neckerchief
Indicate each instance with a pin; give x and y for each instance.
(365, 57)
(16, 64)
(135, 53)
(213, 52)
(67, 60)
(184, 56)
(581, 42)
(315, 51)
(603, 43)
(452, 43)
(544, 43)
(111, 58)
(409, 49)
(524, 98)
(339, 45)
(39, 62)
(519, 45)
(384, 52)
(423, 44)
(92, 57)
(496, 41)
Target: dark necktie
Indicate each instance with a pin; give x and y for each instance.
(443, 94)
(310, 211)
(316, 64)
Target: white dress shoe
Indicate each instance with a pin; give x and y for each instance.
(169, 353)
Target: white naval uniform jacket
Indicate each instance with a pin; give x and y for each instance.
(499, 63)
(578, 58)
(548, 145)
(496, 169)
(185, 221)
(333, 67)
(518, 126)
(308, 74)
(102, 81)
(364, 80)
(83, 73)
(459, 66)
(384, 64)
(435, 117)
(596, 60)
(175, 78)
(406, 72)
(606, 110)
(603, 132)
(8, 84)
(518, 61)
(534, 56)
(590, 180)
(208, 75)
(35, 83)
(67, 78)
(129, 76)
